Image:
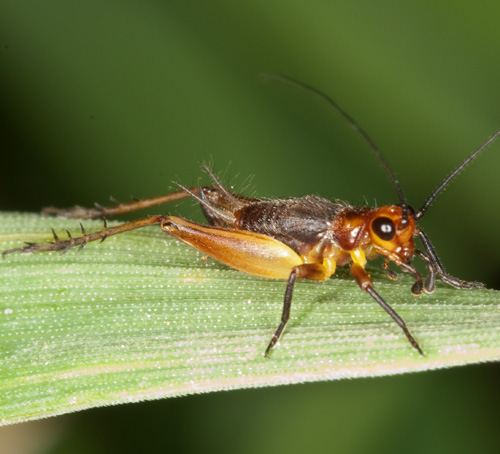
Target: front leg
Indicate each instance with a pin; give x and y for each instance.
(438, 267)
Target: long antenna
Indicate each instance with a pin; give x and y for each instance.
(270, 77)
(420, 213)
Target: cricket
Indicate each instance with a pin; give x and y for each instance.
(294, 238)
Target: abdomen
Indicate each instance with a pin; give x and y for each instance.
(295, 222)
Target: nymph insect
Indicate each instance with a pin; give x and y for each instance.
(306, 237)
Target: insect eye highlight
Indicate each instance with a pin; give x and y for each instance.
(384, 228)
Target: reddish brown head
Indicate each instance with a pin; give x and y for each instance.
(392, 234)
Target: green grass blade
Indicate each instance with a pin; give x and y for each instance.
(142, 316)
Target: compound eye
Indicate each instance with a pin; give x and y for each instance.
(384, 228)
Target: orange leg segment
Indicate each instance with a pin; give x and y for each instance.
(252, 253)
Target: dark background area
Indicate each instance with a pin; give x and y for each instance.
(121, 98)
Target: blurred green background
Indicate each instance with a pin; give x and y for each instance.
(121, 98)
